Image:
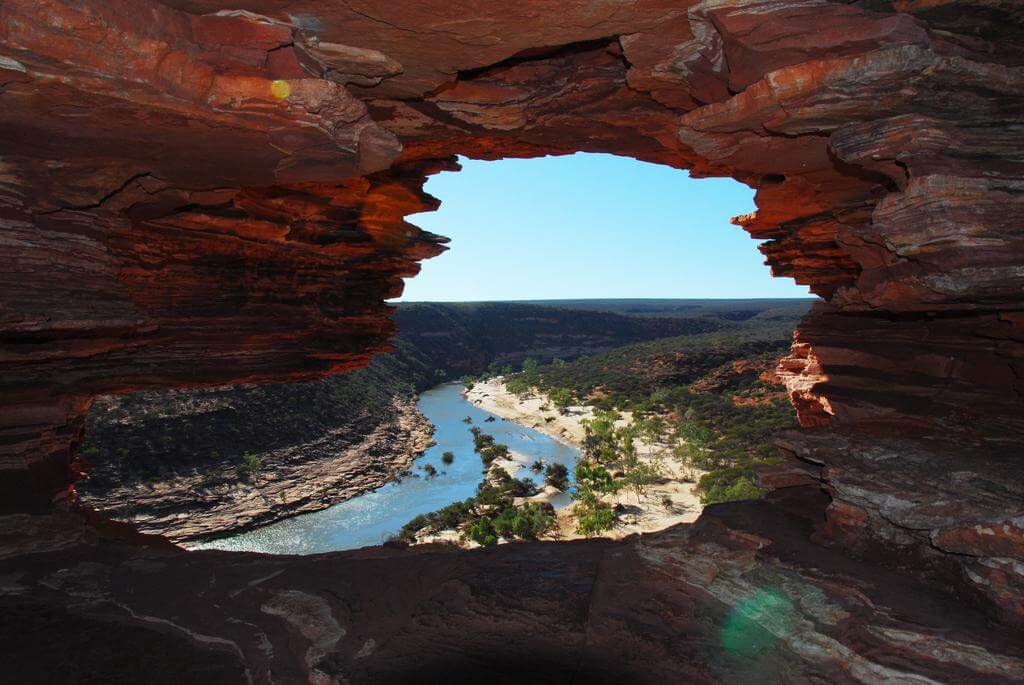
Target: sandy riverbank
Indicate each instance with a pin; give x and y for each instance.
(492, 396)
(651, 513)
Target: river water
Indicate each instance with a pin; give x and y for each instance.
(373, 517)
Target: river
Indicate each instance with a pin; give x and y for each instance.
(373, 517)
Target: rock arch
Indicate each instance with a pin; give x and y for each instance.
(192, 194)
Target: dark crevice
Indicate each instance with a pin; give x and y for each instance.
(542, 53)
(103, 200)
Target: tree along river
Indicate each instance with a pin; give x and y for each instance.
(373, 517)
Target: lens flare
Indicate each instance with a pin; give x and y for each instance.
(756, 622)
(280, 89)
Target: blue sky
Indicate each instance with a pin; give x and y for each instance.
(589, 226)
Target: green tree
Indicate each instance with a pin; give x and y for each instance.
(482, 532)
(742, 489)
(600, 442)
(595, 478)
(249, 465)
(517, 385)
(448, 457)
(593, 517)
(557, 476)
(651, 428)
(639, 476)
(561, 397)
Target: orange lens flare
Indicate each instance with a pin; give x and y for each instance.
(280, 89)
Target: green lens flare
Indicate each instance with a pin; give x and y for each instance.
(756, 622)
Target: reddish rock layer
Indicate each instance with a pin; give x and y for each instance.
(196, 192)
(188, 173)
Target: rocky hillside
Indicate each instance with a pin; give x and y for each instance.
(466, 337)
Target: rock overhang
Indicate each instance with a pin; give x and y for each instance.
(193, 193)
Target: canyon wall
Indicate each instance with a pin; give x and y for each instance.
(197, 192)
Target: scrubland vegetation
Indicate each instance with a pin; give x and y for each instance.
(707, 400)
(492, 513)
(709, 397)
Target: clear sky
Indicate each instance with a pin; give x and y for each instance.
(589, 226)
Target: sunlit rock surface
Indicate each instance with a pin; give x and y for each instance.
(196, 192)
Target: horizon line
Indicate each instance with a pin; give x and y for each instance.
(606, 299)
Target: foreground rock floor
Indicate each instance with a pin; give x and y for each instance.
(742, 595)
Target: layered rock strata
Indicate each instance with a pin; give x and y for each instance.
(225, 499)
(740, 596)
(221, 198)
(195, 192)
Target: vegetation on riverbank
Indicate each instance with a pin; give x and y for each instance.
(492, 514)
(712, 398)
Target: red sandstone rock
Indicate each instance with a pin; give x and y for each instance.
(193, 193)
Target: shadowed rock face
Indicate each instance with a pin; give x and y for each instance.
(741, 596)
(196, 192)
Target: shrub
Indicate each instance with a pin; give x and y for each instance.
(537, 466)
(526, 521)
(595, 478)
(593, 517)
(517, 386)
(512, 487)
(250, 464)
(557, 476)
(448, 457)
(449, 517)
(562, 397)
(639, 476)
(430, 470)
(482, 532)
(493, 452)
(741, 489)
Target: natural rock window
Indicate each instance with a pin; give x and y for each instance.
(168, 219)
